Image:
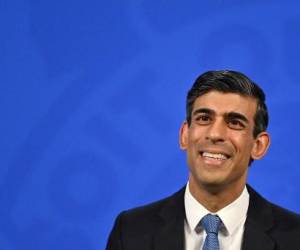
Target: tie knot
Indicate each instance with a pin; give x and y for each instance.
(211, 223)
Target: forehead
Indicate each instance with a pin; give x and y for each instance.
(222, 103)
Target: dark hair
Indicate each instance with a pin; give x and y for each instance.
(228, 81)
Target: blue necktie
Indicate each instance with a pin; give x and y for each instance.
(211, 224)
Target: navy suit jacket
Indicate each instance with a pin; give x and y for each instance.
(160, 226)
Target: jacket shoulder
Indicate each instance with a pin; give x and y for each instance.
(154, 209)
(270, 215)
(285, 219)
(136, 226)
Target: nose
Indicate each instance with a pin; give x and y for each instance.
(216, 132)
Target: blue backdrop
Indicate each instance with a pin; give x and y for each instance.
(93, 94)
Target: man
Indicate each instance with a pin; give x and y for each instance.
(224, 131)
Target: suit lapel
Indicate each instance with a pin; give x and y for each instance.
(259, 222)
(170, 236)
(255, 238)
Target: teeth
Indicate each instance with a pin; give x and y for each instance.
(215, 156)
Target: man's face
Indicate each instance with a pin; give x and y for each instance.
(219, 141)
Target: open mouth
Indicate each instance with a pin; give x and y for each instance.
(214, 156)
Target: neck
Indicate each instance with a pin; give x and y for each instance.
(214, 198)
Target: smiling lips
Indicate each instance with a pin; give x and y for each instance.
(217, 156)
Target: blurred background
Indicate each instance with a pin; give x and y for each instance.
(93, 94)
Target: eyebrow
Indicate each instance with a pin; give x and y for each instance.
(230, 115)
(203, 110)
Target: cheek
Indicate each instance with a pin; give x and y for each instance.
(244, 146)
(195, 134)
(243, 143)
(194, 139)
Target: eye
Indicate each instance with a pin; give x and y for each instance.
(236, 124)
(203, 119)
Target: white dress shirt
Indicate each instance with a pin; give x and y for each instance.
(233, 218)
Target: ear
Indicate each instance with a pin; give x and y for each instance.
(261, 145)
(183, 135)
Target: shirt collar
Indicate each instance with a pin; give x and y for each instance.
(232, 215)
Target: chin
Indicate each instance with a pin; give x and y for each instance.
(210, 182)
